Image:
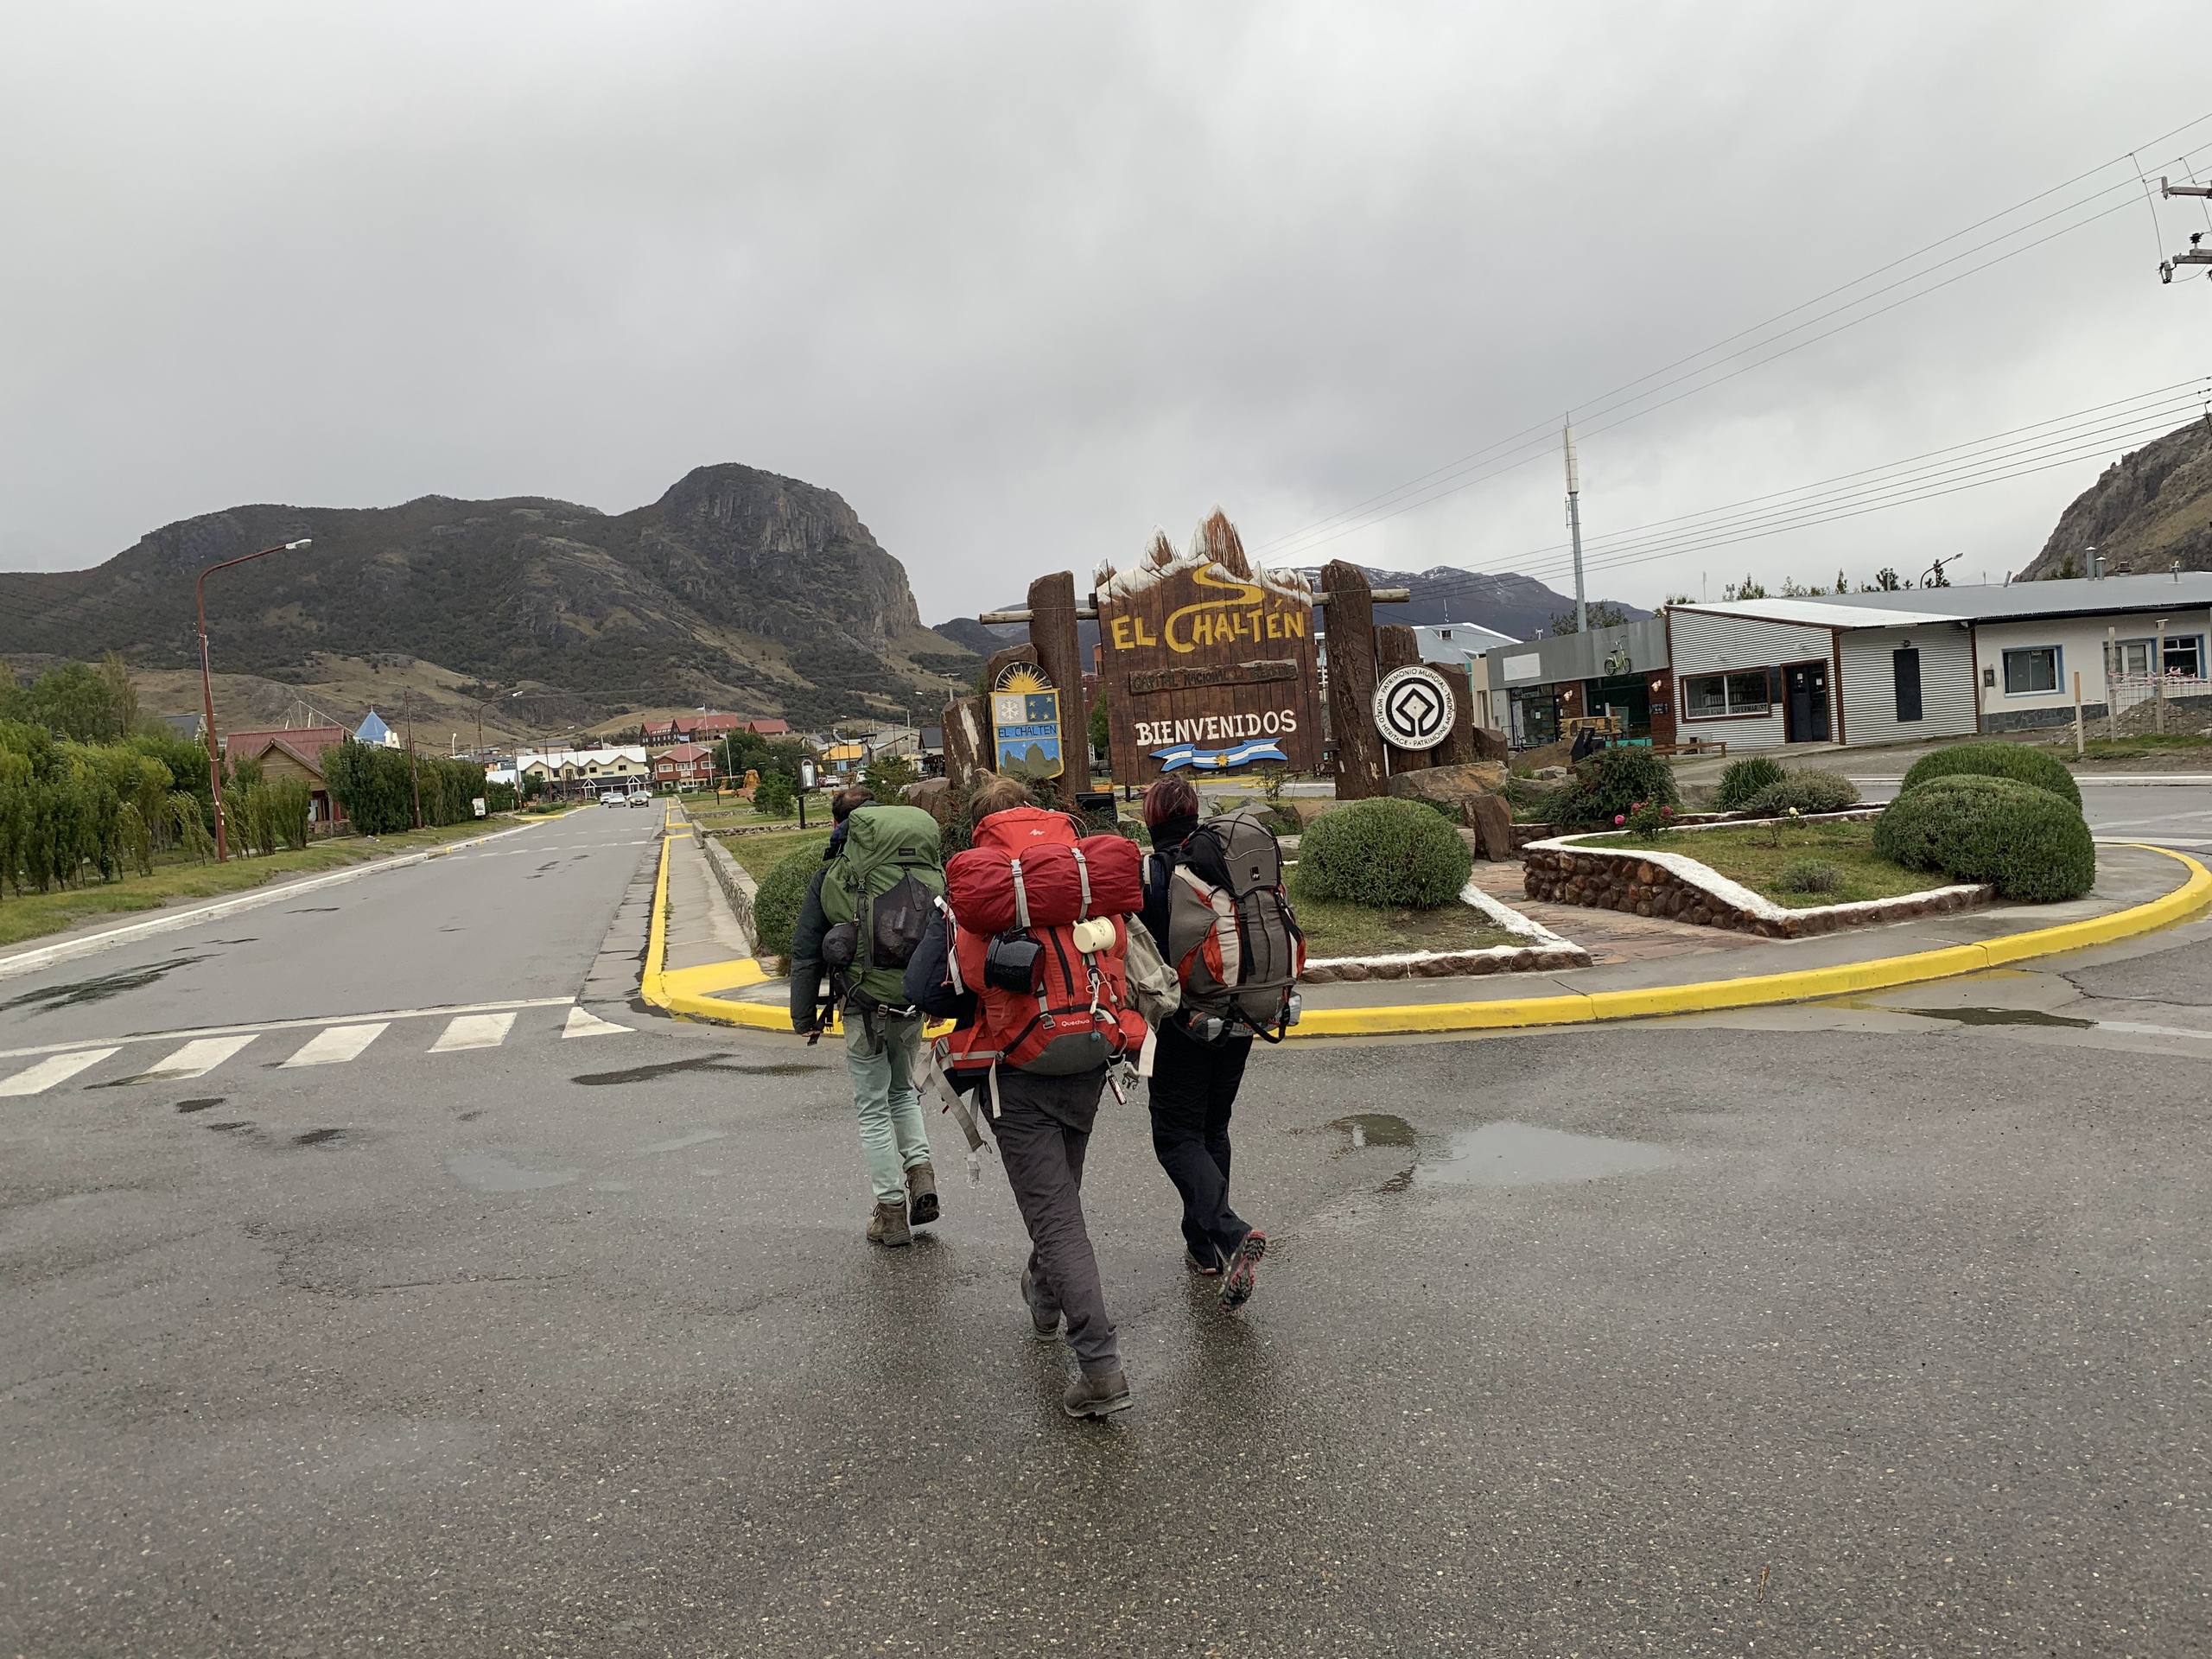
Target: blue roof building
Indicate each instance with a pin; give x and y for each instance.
(373, 730)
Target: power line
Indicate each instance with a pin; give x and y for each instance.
(1423, 488)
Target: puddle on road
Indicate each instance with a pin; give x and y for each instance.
(698, 1063)
(2000, 1017)
(317, 1137)
(200, 1105)
(1522, 1154)
(50, 997)
(489, 1172)
(1376, 1129)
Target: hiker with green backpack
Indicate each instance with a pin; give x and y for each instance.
(866, 909)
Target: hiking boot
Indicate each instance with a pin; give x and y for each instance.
(921, 1195)
(888, 1225)
(1044, 1329)
(1203, 1270)
(1243, 1270)
(1098, 1393)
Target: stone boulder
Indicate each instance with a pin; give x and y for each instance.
(1490, 745)
(1452, 785)
(933, 796)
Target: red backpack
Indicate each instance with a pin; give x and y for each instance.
(1039, 930)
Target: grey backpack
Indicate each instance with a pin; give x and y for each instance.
(1232, 936)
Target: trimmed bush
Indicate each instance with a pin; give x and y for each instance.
(1609, 785)
(1809, 876)
(2026, 842)
(1808, 792)
(775, 795)
(1745, 778)
(2014, 760)
(776, 905)
(1386, 852)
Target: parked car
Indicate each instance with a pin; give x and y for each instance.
(612, 797)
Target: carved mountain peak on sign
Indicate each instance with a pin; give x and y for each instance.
(1214, 543)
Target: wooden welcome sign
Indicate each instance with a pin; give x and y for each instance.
(1209, 666)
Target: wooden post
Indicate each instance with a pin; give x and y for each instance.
(1360, 774)
(2112, 689)
(2159, 680)
(1059, 654)
(967, 739)
(2077, 714)
(1457, 748)
(1396, 646)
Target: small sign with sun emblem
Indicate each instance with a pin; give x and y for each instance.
(1026, 723)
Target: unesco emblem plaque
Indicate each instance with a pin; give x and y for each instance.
(1413, 707)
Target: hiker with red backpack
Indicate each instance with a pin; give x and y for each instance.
(1029, 954)
(864, 912)
(1214, 903)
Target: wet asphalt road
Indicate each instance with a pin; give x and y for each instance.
(1832, 1331)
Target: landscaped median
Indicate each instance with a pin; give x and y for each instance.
(1334, 1010)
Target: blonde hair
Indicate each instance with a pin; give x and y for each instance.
(995, 794)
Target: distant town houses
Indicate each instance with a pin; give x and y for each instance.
(577, 772)
(688, 766)
(291, 751)
(707, 729)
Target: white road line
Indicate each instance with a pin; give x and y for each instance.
(58, 1068)
(583, 1024)
(194, 1059)
(338, 1045)
(386, 1014)
(474, 1030)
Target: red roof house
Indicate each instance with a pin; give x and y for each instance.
(690, 763)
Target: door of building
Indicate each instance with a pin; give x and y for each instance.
(1807, 719)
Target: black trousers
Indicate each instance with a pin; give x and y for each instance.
(1043, 1128)
(1193, 1087)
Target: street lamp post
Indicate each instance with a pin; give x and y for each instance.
(208, 683)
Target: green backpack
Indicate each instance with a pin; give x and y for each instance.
(886, 880)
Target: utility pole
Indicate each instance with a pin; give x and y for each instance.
(2197, 255)
(1574, 530)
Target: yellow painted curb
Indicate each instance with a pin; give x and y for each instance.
(1587, 1007)
(682, 990)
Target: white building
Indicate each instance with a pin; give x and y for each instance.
(569, 770)
(1936, 662)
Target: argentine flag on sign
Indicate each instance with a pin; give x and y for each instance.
(1188, 754)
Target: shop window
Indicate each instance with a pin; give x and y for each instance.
(2185, 656)
(1709, 697)
(2030, 670)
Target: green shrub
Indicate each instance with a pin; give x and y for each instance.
(775, 795)
(1745, 778)
(1810, 876)
(776, 905)
(2026, 842)
(1647, 822)
(2014, 760)
(1808, 792)
(1385, 853)
(1609, 784)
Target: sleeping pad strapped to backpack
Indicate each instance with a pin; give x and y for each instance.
(1040, 932)
(886, 880)
(1232, 937)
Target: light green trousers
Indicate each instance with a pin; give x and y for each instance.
(889, 1106)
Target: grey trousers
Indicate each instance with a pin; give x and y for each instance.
(1044, 1130)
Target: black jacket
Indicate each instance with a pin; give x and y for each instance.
(929, 978)
(806, 954)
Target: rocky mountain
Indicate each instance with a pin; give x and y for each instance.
(1514, 605)
(737, 588)
(2149, 509)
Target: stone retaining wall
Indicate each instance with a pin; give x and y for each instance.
(736, 882)
(1676, 886)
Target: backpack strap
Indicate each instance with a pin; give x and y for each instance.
(1020, 896)
(1083, 876)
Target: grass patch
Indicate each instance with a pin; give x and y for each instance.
(1749, 857)
(1335, 928)
(761, 853)
(177, 877)
(2134, 748)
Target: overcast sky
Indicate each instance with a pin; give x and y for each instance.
(1022, 282)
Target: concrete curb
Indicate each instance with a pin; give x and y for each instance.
(86, 945)
(1586, 1008)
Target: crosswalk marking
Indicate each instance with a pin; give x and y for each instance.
(338, 1045)
(474, 1030)
(195, 1060)
(57, 1068)
(583, 1024)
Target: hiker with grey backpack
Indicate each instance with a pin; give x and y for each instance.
(865, 913)
(1214, 902)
